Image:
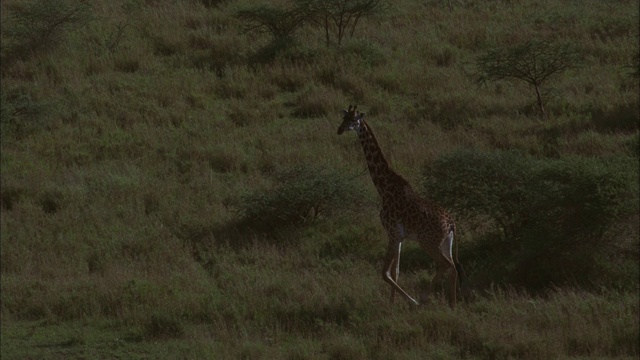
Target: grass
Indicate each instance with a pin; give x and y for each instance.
(274, 312)
(128, 148)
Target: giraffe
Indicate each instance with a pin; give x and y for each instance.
(405, 214)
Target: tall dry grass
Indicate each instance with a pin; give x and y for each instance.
(128, 147)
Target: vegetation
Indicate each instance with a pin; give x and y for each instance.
(279, 22)
(549, 222)
(533, 62)
(301, 195)
(339, 16)
(39, 26)
(282, 21)
(172, 185)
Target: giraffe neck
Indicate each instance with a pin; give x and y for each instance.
(381, 173)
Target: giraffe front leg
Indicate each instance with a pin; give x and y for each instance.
(391, 270)
(394, 276)
(395, 271)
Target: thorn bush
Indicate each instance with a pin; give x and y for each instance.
(301, 195)
(40, 26)
(551, 218)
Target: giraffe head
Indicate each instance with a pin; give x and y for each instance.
(351, 120)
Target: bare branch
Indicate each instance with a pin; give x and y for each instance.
(344, 14)
(279, 22)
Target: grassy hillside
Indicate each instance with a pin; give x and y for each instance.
(172, 184)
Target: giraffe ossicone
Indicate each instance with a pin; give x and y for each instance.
(405, 214)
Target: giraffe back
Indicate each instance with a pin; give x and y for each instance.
(415, 217)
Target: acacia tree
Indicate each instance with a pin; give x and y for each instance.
(533, 62)
(336, 17)
(40, 26)
(280, 22)
(339, 16)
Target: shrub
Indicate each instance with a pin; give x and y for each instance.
(634, 70)
(20, 114)
(10, 196)
(301, 195)
(472, 184)
(316, 101)
(623, 118)
(40, 25)
(367, 52)
(212, 3)
(273, 49)
(550, 219)
(633, 145)
(162, 326)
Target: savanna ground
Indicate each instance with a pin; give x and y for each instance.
(173, 185)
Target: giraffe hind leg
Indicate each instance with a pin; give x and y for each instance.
(395, 271)
(462, 282)
(446, 247)
(437, 279)
(394, 276)
(445, 268)
(452, 279)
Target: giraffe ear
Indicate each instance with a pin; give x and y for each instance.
(361, 115)
(344, 112)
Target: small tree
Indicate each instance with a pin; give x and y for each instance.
(339, 16)
(336, 17)
(532, 62)
(280, 22)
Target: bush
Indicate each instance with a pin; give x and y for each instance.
(40, 25)
(623, 118)
(550, 220)
(163, 326)
(367, 52)
(301, 195)
(274, 49)
(20, 114)
(316, 101)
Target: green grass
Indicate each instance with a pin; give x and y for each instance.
(129, 149)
